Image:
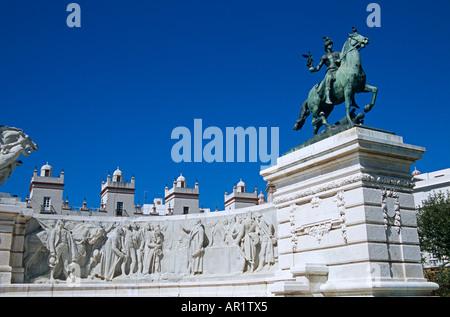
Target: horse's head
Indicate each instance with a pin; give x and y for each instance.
(13, 140)
(28, 145)
(31, 146)
(356, 40)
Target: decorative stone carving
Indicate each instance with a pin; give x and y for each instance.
(247, 240)
(385, 194)
(342, 182)
(197, 244)
(315, 202)
(268, 241)
(317, 230)
(70, 250)
(63, 251)
(153, 252)
(292, 210)
(339, 198)
(13, 144)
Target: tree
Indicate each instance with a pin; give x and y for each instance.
(433, 224)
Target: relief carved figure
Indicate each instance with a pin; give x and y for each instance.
(247, 239)
(63, 251)
(140, 244)
(112, 256)
(218, 234)
(129, 243)
(230, 231)
(268, 241)
(156, 264)
(88, 238)
(152, 250)
(196, 247)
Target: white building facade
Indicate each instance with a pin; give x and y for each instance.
(427, 184)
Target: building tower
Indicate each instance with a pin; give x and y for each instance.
(239, 198)
(117, 196)
(182, 199)
(46, 191)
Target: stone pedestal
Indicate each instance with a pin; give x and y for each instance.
(13, 217)
(346, 217)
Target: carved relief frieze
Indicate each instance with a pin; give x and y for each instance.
(73, 250)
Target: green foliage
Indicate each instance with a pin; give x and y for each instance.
(440, 276)
(433, 224)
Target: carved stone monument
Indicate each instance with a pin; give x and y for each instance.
(346, 217)
(340, 220)
(154, 253)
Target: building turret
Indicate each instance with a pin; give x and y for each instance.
(239, 198)
(181, 199)
(117, 196)
(46, 191)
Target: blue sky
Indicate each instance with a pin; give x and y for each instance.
(110, 93)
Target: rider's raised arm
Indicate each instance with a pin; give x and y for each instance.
(319, 66)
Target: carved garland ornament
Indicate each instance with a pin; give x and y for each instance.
(385, 193)
(292, 210)
(341, 208)
(318, 231)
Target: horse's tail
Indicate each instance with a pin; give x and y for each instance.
(304, 113)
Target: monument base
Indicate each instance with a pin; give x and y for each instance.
(346, 217)
(241, 287)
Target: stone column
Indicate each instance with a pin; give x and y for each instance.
(345, 205)
(13, 217)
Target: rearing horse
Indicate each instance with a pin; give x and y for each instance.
(350, 79)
